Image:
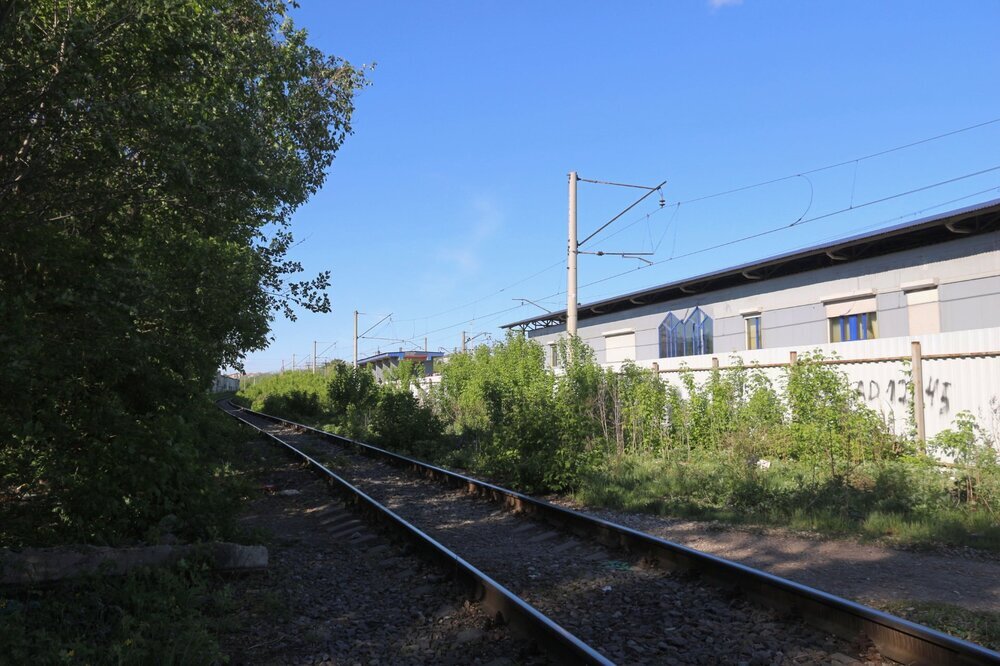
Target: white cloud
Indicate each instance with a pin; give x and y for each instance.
(484, 221)
(462, 259)
(719, 4)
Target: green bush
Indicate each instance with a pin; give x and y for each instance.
(400, 422)
(805, 453)
(977, 461)
(829, 425)
(300, 393)
(519, 421)
(161, 616)
(168, 472)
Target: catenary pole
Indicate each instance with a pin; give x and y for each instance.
(571, 258)
(355, 338)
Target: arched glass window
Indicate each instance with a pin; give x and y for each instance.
(701, 332)
(689, 337)
(671, 337)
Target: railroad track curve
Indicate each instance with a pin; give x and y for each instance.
(591, 591)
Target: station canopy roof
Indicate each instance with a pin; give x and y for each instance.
(400, 356)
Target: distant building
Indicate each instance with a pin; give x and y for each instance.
(225, 383)
(382, 362)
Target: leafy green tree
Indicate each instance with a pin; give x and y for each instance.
(352, 394)
(829, 423)
(408, 373)
(151, 156)
(977, 459)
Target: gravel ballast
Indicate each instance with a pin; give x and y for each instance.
(631, 613)
(348, 595)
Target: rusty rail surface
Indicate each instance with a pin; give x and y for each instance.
(517, 613)
(894, 637)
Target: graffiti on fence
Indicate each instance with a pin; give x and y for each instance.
(897, 390)
(939, 389)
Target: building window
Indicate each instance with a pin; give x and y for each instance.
(861, 326)
(619, 346)
(923, 311)
(671, 337)
(754, 336)
(687, 337)
(852, 317)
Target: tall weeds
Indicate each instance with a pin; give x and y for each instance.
(803, 450)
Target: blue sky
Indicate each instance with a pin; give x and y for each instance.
(450, 199)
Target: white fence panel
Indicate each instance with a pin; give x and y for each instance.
(961, 372)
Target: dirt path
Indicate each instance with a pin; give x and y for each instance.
(871, 574)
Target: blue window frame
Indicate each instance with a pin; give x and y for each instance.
(688, 337)
(860, 326)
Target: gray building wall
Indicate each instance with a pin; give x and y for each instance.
(793, 309)
(970, 304)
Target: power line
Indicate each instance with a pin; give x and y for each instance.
(844, 163)
(374, 325)
(479, 318)
(881, 223)
(827, 167)
(490, 295)
(493, 315)
(630, 207)
(676, 207)
(799, 223)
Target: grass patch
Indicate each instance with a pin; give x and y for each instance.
(897, 503)
(980, 627)
(945, 526)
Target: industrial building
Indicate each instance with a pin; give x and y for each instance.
(935, 280)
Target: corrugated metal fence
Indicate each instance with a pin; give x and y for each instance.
(960, 372)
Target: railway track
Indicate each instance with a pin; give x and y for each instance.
(594, 592)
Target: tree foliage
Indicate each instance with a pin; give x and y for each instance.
(151, 155)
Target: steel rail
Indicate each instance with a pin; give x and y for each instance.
(894, 637)
(498, 600)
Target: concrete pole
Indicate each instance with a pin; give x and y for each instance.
(571, 257)
(355, 338)
(917, 377)
(293, 362)
(314, 357)
(463, 342)
(425, 344)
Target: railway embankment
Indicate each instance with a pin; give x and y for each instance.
(544, 570)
